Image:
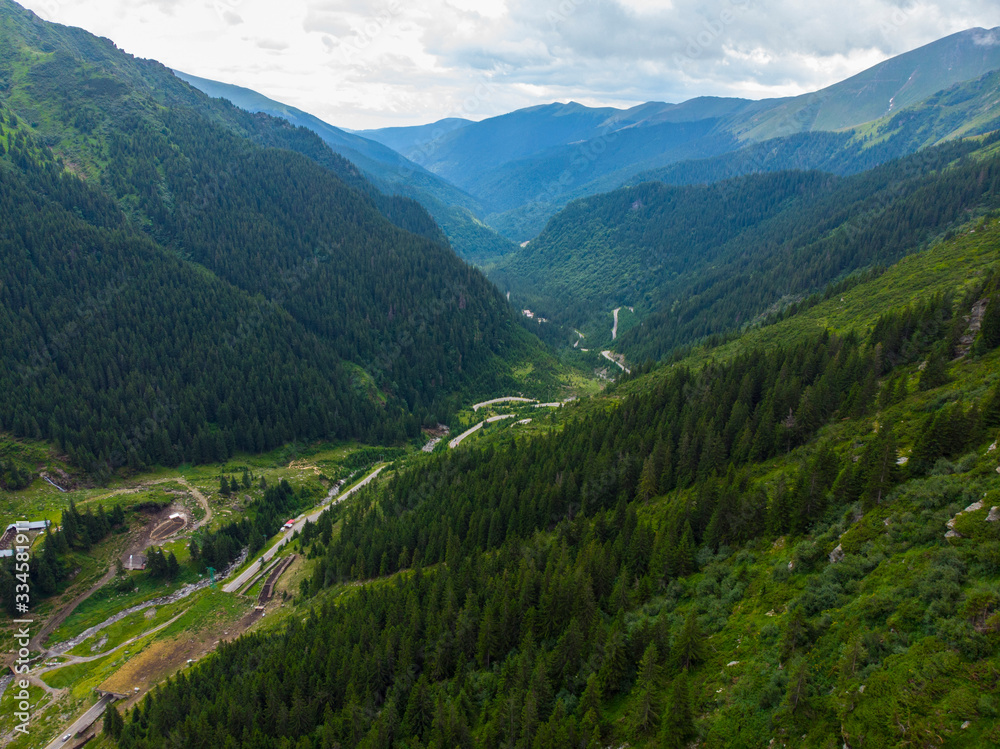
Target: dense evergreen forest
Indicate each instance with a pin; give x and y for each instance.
(121, 353)
(572, 589)
(702, 260)
(182, 280)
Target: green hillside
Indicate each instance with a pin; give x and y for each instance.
(726, 554)
(890, 86)
(454, 210)
(702, 260)
(367, 512)
(231, 266)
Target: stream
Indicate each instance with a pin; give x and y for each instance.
(183, 592)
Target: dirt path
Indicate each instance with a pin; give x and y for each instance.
(137, 547)
(71, 659)
(194, 491)
(52, 624)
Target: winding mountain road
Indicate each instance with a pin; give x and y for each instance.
(472, 430)
(611, 358)
(84, 722)
(505, 399)
(300, 522)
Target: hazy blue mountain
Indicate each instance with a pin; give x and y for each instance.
(511, 173)
(525, 165)
(968, 108)
(409, 139)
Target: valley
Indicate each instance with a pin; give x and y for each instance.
(568, 425)
(138, 643)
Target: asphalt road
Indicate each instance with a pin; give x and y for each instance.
(83, 722)
(238, 582)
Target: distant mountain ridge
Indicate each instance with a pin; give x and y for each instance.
(698, 260)
(523, 166)
(386, 164)
(511, 173)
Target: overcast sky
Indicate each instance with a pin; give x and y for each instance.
(360, 64)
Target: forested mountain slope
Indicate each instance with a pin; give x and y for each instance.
(699, 260)
(454, 210)
(746, 552)
(263, 213)
(382, 163)
(120, 352)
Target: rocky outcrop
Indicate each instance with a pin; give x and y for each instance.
(975, 320)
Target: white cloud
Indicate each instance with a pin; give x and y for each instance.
(359, 64)
(273, 44)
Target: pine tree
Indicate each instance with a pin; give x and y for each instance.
(591, 699)
(172, 567)
(799, 687)
(989, 332)
(113, 722)
(689, 648)
(990, 415)
(879, 467)
(935, 372)
(684, 562)
(677, 726)
(649, 479)
(615, 663)
(645, 712)
(70, 523)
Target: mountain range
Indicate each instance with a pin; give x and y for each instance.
(724, 471)
(508, 175)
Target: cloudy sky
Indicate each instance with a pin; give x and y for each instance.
(376, 63)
